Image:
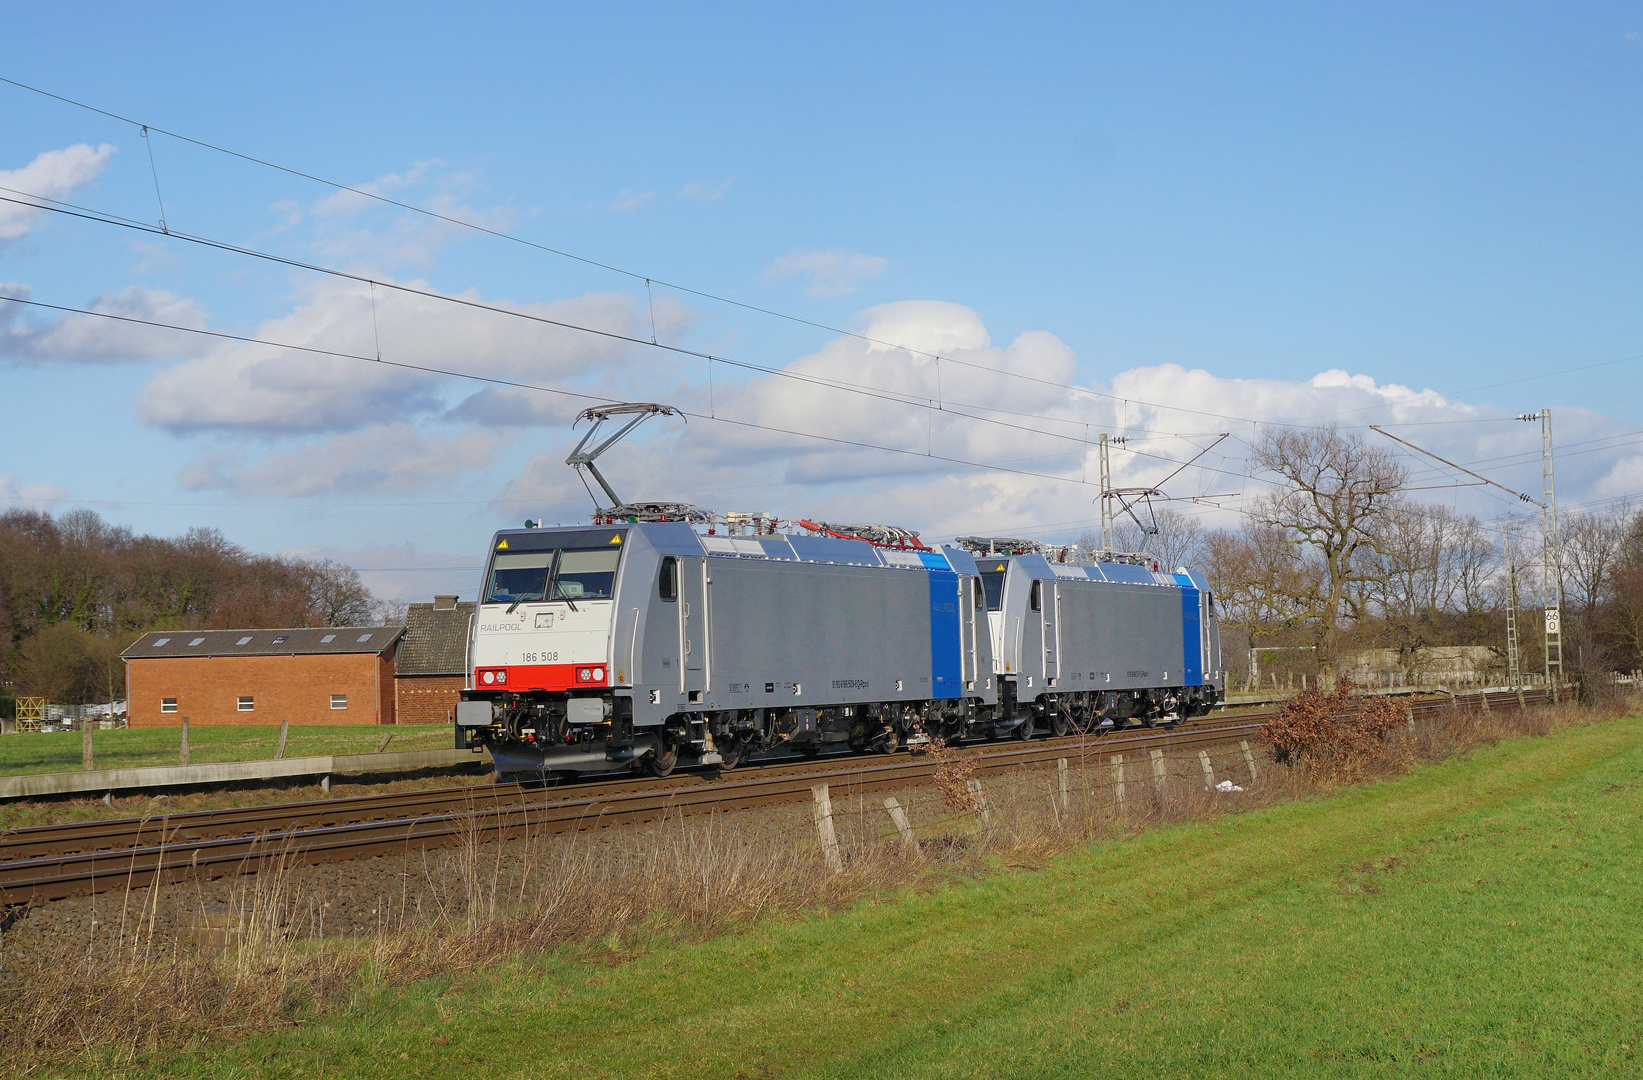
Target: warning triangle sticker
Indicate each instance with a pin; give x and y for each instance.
(502, 545)
(617, 539)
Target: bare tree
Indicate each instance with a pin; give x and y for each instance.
(1334, 496)
(335, 594)
(1625, 611)
(1256, 576)
(1434, 568)
(1591, 545)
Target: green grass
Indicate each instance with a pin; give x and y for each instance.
(125, 748)
(1476, 918)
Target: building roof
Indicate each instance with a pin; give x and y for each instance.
(436, 639)
(324, 639)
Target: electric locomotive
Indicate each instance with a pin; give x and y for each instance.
(649, 638)
(646, 643)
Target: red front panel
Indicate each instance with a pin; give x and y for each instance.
(521, 677)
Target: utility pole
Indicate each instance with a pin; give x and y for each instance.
(1106, 502)
(1514, 662)
(1551, 565)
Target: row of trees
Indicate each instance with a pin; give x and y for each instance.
(1337, 556)
(75, 591)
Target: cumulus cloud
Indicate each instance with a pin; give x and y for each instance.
(16, 494)
(29, 335)
(831, 273)
(247, 387)
(387, 458)
(54, 174)
(1006, 406)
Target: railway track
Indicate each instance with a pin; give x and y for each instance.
(53, 861)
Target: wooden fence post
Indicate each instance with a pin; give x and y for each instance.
(1209, 773)
(822, 810)
(983, 809)
(909, 842)
(1118, 780)
(386, 739)
(182, 747)
(85, 743)
(1249, 758)
(285, 729)
(1158, 772)
(1066, 788)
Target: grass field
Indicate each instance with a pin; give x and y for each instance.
(125, 748)
(1475, 918)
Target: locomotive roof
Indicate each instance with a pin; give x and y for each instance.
(679, 538)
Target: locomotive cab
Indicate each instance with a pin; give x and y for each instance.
(540, 656)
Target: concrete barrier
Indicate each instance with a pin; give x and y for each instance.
(105, 780)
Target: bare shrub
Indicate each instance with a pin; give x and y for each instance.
(953, 772)
(1336, 735)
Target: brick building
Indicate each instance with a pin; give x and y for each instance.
(331, 675)
(432, 665)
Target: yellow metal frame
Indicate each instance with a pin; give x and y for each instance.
(31, 713)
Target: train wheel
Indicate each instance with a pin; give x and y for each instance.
(1027, 729)
(661, 762)
(1060, 725)
(733, 749)
(889, 742)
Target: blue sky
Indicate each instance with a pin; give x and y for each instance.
(1200, 207)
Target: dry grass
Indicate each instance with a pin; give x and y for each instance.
(267, 958)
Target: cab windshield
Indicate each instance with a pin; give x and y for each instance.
(992, 583)
(565, 574)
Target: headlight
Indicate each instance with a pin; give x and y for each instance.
(584, 674)
(489, 677)
(598, 674)
(502, 676)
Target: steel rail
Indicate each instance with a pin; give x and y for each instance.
(119, 833)
(193, 844)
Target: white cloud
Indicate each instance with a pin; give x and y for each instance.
(831, 273)
(369, 235)
(257, 388)
(705, 190)
(1167, 411)
(32, 334)
(389, 458)
(53, 175)
(629, 201)
(16, 494)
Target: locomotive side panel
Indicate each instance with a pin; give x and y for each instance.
(1121, 637)
(792, 633)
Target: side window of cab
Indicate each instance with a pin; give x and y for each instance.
(667, 582)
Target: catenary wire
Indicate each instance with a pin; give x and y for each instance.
(915, 401)
(650, 279)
